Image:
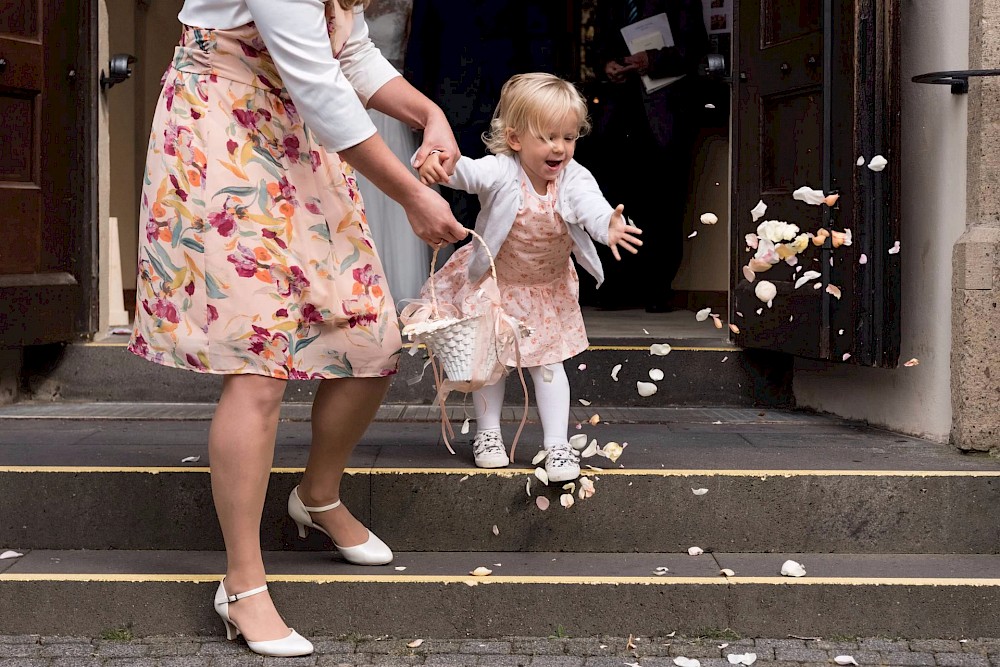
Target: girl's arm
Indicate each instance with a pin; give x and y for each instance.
(586, 205)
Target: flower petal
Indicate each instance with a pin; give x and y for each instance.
(790, 568)
(699, 492)
(415, 643)
(614, 372)
(655, 374)
(659, 349)
(709, 218)
(645, 388)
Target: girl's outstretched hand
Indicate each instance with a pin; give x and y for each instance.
(432, 171)
(622, 234)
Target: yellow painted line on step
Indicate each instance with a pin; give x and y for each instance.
(517, 472)
(526, 579)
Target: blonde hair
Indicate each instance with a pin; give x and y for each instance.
(530, 104)
(351, 4)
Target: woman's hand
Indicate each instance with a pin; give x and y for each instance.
(620, 233)
(431, 218)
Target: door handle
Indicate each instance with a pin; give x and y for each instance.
(713, 66)
(958, 80)
(119, 69)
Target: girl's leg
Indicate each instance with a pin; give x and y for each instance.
(241, 452)
(552, 398)
(342, 410)
(488, 449)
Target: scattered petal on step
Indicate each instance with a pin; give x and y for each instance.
(681, 661)
(591, 449)
(614, 372)
(703, 314)
(612, 451)
(400, 568)
(570, 487)
(709, 218)
(415, 643)
(581, 367)
(660, 571)
(645, 332)
(845, 660)
(539, 457)
(578, 441)
(877, 163)
(496, 530)
(465, 426)
(630, 644)
(742, 658)
(481, 572)
(659, 349)
(724, 359)
(655, 374)
(758, 211)
(723, 645)
(542, 503)
(463, 479)
(894, 250)
(10, 554)
(699, 492)
(726, 572)
(790, 568)
(595, 419)
(645, 388)
(527, 487)
(586, 488)
(631, 664)
(190, 459)
(584, 402)
(542, 476)
(695, 551)
(566, 500)
(716, 321)
(834, 290)
(912, 362)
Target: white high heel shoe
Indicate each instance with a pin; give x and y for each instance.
(292, 645)
(373, 552)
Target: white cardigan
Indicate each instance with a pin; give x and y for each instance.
(330, 93)
(497, 181)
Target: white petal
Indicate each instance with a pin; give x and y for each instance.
(645, 388)
(845, 660)
(863, 259)
(765, 291)
(681, 661)
(527, 487)
(709, 218)
(581, 367)
(583, 401)
(614, 372)
(742, 658)
(542, 476)
(726, 572)
(792, 569)
(724, 645)
(591, 450)
(703, 314)
(415, 643)
(399, 568)
(759, 311)
(496, 530)
(659, 349)
(840, 332)
(699, 492)
(759, 210)
(877, 163)
(806, 277)
(612, 450)
(578, 441)
(861, 160)
(894, 250)
(809, 195)
(542, 503)
(834, 290)
(749, 274)
(539, 457)
(481, 572)
(10, 554)
(465, 426)
(912, 362)
(655, 374)
(190, 459)
(693, 234)
(695, 551)
(660, 571)
(566, 500)
(847, 355)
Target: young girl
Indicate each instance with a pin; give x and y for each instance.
(538, 206)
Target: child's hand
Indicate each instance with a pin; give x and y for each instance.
(432, 171)
(622, 234)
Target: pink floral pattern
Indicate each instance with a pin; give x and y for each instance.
(255, 255)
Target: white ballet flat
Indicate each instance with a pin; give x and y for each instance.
(292, 645)
(373, 552)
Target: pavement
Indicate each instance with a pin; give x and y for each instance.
(715, 649)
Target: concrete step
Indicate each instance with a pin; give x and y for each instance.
(85, 593)
(697, 372)
(777, 481)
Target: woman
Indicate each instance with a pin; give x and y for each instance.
(256, 262)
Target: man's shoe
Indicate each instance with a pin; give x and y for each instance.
(489, 451)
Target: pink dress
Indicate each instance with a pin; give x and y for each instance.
(537, 280)
(255, 254)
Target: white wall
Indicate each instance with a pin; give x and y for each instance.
(917, 400)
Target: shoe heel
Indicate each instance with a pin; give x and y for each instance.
(232, 632)
(303, 530)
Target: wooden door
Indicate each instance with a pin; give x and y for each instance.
(45, 252)
(815, 88)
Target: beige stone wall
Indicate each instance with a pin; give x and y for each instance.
(975, 378)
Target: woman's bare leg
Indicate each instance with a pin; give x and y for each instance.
(342, 410)
(241, 452)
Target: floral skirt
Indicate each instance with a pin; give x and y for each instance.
(254, 252)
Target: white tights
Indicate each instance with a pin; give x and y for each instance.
(551, 397)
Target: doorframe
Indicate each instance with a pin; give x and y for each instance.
(87, 231)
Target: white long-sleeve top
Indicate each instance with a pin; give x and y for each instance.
(496, 179)
(330, 93)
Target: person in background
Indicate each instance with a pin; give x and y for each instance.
(256, 261)
(538, 207)
(656, 130)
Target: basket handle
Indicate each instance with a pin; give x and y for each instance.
(493, 269)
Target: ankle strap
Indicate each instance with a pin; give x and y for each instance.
(324, 508)
(246, 594)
